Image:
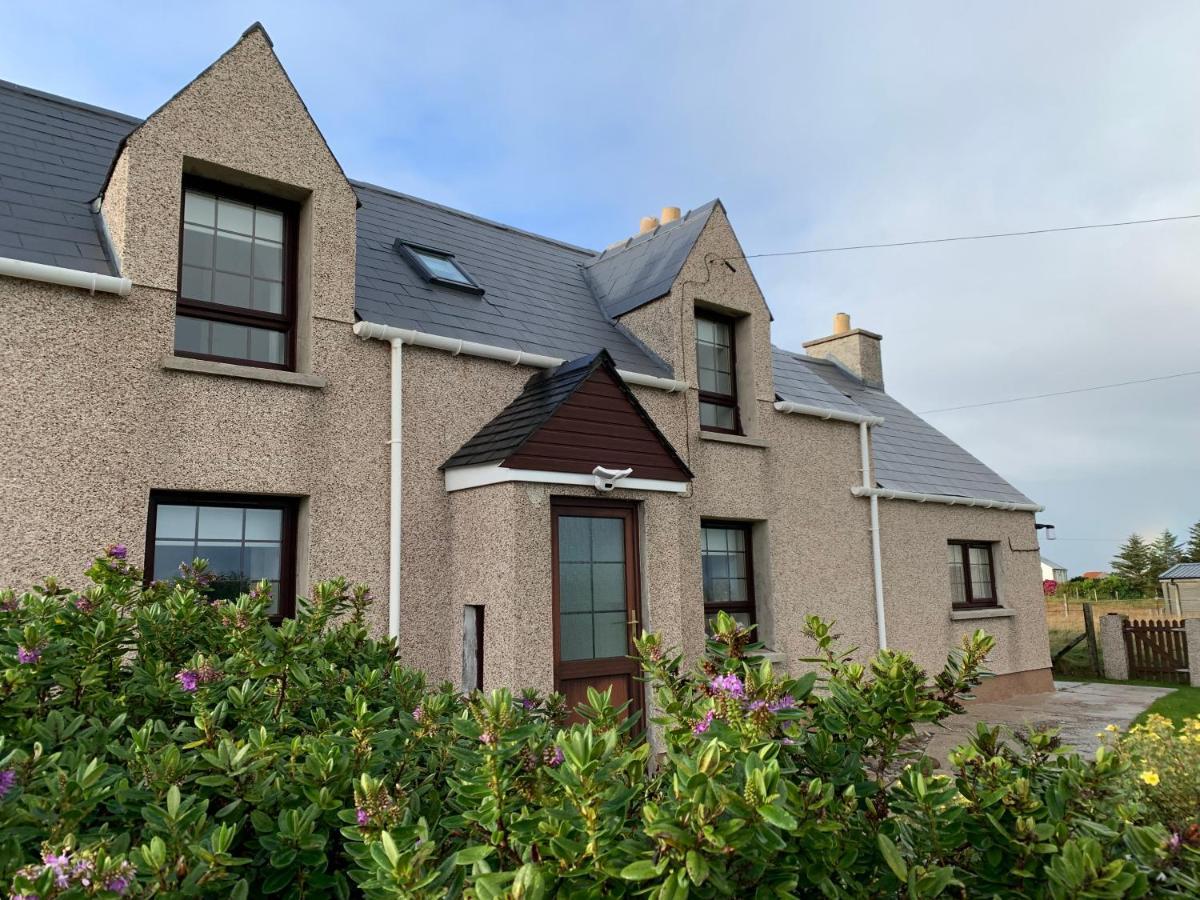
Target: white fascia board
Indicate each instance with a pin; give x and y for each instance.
(458, 347)
(945, 499)
(819, 412)
(462, 478)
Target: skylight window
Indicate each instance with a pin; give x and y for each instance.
(438, 267)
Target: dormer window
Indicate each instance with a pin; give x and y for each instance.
(236, 276)
(717, 373)
(438, 267)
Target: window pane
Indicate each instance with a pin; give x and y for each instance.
(233, 253)
(169, 556)
(264, 524)
(224, 558)
(574, 539)
(725, 564)
(234, 216)
(611, 634)
(441, 267)
(608, 540)
(715, 538)
(195, 284)
(958, 590)
(575, 634)
(232, 290)
(268, 296)
(268, 260)
(175, 522)
(197, 246)
(199, 208)
(981, 573)
(262, 561)
(192, 335)
(713, 415)
(229, 340)
(266, 345)
(575, 587)
(608, 586)
(222, 523)
(705, 331)
(268, 224)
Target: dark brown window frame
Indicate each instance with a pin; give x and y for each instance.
(728, 400)
(750, 604)
(285, 322)
(964, 548)
(290, 528)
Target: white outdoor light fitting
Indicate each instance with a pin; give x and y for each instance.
(606, 479)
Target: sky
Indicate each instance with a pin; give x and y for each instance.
(818, 125)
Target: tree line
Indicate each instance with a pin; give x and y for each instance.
(1141, 562)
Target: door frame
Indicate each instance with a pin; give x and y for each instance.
(592, 507)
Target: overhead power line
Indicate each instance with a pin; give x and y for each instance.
(971, 237)
(1082, 390)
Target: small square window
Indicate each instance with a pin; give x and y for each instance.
(438, 266)
(972, 574)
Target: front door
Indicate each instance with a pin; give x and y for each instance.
(596, 600)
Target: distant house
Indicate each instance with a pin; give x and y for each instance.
(1052, 571)
(1181, 587)
(1093, 576)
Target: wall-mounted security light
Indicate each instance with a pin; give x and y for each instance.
(606, 479)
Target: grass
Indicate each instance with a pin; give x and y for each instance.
(1077, 663)
(1178, 705)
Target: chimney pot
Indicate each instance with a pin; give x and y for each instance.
(855, 348)
(670, 214)
(841, 323)
(648, 223)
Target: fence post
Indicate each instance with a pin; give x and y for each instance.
(1191, 629)
(1112, 642)
(1089, 628)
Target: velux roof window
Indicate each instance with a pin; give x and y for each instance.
(438, 267)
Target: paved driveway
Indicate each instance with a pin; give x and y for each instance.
(1079, 709)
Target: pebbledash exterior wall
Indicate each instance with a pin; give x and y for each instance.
(97, 415)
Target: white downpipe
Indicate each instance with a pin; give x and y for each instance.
(945, 499)
(89, 281)
(502, 354)
(864, 443)
(801, 409)
(396, 484)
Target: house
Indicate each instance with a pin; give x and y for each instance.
(216, 344)
(1094, 576)
(1181, 588)
(1052, 571)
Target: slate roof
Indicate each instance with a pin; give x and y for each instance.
(540, 295)
(544, 393)
(909, 454)
(644, 267)
(54, 156)
(1182, 570)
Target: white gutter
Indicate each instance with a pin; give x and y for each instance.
(889, 494)
(90, 281)
(864, 444)
(820, 412)
(502, 354)
(396, 483)
(464, 477)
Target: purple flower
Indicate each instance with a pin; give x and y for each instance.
(1174, 842)
(787, 701)
(363, 817)
(8, 778)
(553, 757)
(188, 680)
(28, 655)
(704, 724)
(117, 551)
(487, 738)
(528, 703)
(118, 884)
(418, 713)
(10, 604)
(729, 684)
(756, 705)
(84, 605)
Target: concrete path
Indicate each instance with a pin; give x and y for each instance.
(1079, 709)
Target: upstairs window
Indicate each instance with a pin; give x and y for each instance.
(438, 267)
(716, 372)
(236, 277)
(972, 575)
(728, 571)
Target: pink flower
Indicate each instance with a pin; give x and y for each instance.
(553, 757)
(28, 655)
(117, 551)
(363, 817)
(487, 739)
(787, 701)
(419, 713)
(729, 684)
(188, 680)
(704, 724)
(8, 778)
(84, 605)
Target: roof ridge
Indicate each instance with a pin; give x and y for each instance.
(472, 216)
(68, 101)
(638, 240)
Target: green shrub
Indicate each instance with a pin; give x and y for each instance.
(155, 742)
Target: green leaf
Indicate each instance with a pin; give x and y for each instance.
(697, 867)
(641, 870)
(470, 855)
(891, 855)
(778, 817)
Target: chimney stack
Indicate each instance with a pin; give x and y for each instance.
(670, 214)
(648, 223)
(855, 348)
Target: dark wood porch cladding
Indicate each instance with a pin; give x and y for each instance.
(572, 419)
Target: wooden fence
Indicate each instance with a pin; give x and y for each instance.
(1157, 649)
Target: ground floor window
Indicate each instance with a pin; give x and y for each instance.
(728, 570)
(245, 539)
(972, 574)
